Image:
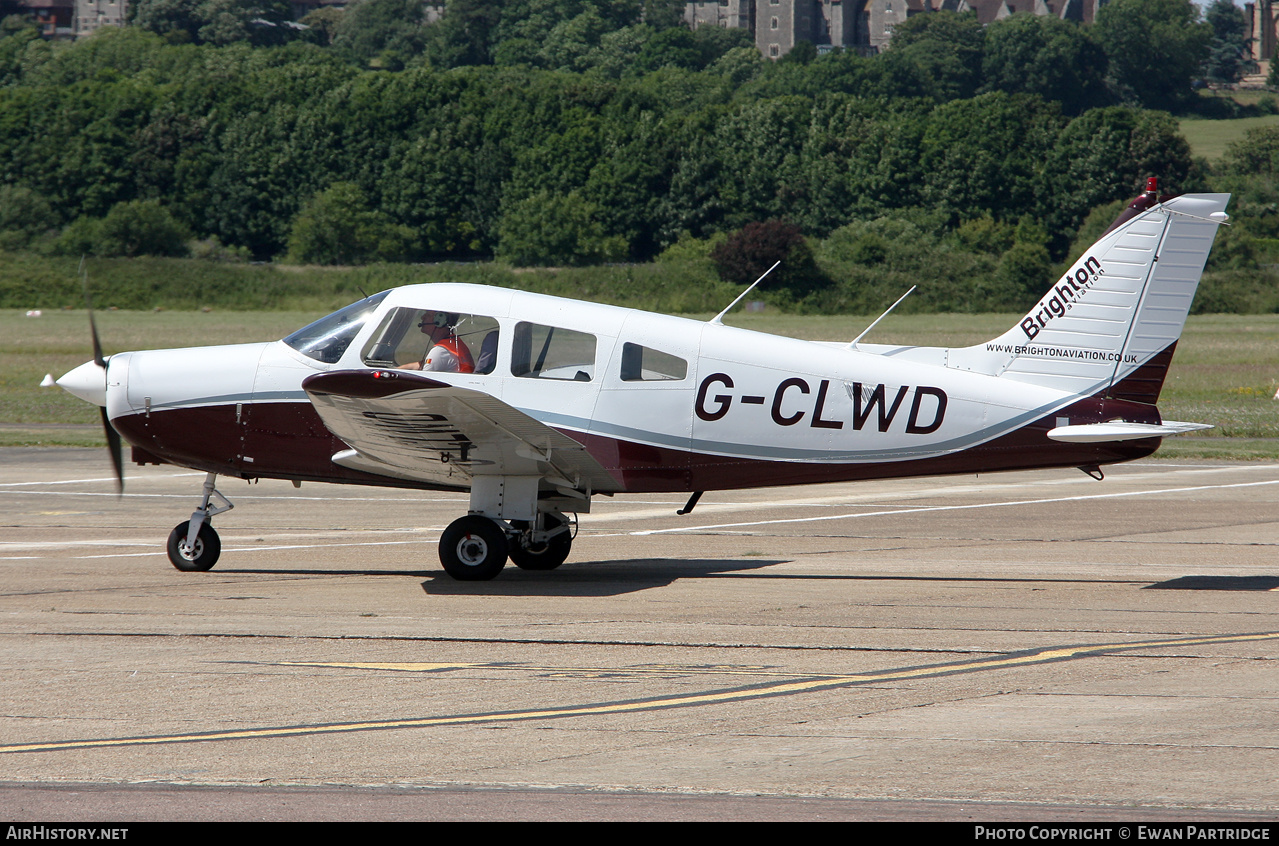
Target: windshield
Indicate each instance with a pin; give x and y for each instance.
(327, 338)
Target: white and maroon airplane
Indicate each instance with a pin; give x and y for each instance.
(563, 400)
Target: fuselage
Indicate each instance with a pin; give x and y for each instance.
(662, 403)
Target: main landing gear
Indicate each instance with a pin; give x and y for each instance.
(475, 548)
(194, 545)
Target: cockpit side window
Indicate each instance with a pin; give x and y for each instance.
(327, 338)
(549, 352)
(433, 339)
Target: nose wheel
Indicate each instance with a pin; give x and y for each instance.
(473, 549)
(194, 557)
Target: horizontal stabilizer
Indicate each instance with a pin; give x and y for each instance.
(1118, 430)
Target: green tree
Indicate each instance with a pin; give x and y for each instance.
(943, 51)
(1155, 49)
(338, 227)
(382, 33)
(1106, 155)
(257, 22)
(140, 228)
(1044, 55)
(15, 40)
(1256, 154)
(675, 47)
(464, 33)
(1228, 57)
(548, 229)
(322, 24)
(24, 216)
(260, 22)
(179, 21)
(986, 155)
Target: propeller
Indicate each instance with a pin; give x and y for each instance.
(113, 437)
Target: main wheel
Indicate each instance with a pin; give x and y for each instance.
(544, 556)
(473, 549)
(198, 557)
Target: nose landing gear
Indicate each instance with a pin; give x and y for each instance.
(194, 546)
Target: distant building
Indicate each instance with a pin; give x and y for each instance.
(730, 14)
(1261, 29)
(865, 26)
(988, 11)
(92, 14)
(53, 17)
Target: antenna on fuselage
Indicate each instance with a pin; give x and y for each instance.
(719, 318)
(853, 344)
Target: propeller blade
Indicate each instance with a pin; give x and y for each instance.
(113, 437)
(117, 453)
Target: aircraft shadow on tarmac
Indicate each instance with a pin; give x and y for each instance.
(1218, 583)
(610, 578)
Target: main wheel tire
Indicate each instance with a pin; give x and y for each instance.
(473, 549)
(198, 558)
(545, 556)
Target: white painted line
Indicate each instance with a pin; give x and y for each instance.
(238, 498)
(226, 550)
(95, 481)
(919, 509)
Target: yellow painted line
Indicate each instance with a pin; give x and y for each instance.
(806, 685)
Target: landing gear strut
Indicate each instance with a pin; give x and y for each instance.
(194, 546)
(515, 517)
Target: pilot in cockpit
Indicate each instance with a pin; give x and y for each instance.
(445, 352)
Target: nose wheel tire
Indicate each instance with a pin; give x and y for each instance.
(545, 556)
(201, 555)
(473, 549)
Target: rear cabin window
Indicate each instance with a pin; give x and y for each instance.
(407, 335)
(643, 364)
(549, 352)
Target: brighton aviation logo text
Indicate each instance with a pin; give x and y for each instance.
(1069, 289)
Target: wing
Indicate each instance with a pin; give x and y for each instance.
(409, 426)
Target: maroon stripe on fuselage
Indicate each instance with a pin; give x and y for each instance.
(287, 440)
(1146, 382)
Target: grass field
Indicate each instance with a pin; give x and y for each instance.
(1226, 371)
(1209, 138)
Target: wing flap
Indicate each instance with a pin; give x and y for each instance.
(421, 428)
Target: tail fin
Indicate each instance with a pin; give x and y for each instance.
(1110, 325)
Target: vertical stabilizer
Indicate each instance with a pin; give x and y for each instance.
(1110, 324)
